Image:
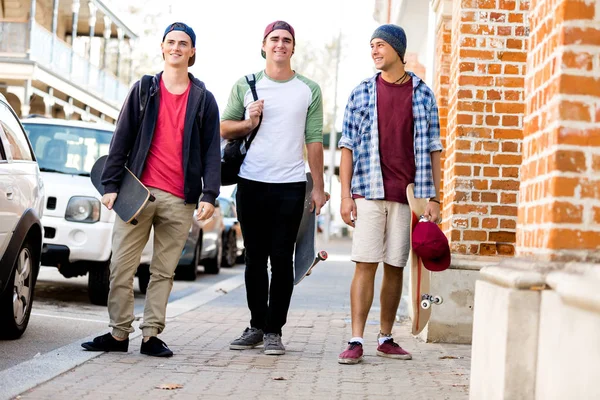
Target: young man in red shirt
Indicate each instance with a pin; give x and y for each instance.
(390, 138)
(174, 149)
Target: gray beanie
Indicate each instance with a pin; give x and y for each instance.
(394, 35)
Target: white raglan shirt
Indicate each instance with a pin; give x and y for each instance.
(292, 117)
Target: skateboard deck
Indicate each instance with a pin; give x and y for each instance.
(306, 256)
(133, 195)
(419, 276)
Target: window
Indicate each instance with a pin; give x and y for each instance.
(19, 147)
(226, 208)
(67, 149)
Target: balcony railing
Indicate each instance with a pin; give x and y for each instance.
(61, 59)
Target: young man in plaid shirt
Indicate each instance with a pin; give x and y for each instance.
(390, 138)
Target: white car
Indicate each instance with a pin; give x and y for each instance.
(21, 207)
(77, 228)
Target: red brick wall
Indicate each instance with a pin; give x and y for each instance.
(441, 83)
(559, 211)
(485, 121)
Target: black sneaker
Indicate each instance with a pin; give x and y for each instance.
(106, 343)
(155, 347)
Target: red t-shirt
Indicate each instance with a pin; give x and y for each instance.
(396, 142)
(164, 163)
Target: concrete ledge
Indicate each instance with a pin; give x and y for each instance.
(577, 290)
(569, 349)
(474, 263)
(452, 322)
(513, 278)
(505, 342)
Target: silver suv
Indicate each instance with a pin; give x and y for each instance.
(21, 207)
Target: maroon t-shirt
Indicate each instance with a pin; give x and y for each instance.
(396, 143)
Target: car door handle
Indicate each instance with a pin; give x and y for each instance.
(9, 194)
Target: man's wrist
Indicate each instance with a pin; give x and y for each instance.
(434, 200)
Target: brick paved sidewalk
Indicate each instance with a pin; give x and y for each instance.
(316, 332)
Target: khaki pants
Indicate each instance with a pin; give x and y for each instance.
(171, 219)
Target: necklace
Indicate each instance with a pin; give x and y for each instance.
(401, 78)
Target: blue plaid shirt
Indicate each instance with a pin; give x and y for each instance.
(361, 135)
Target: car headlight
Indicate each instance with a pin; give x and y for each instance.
(83, 209)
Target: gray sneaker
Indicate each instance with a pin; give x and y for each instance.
(273, 345)
(251, 337)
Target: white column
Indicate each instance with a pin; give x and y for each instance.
(92, 23)
(31, 25)
(75, 12)
(121, 36)
(107, 33)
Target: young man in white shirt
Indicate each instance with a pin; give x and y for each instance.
(272, 180)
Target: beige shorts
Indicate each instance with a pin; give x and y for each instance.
(381, 232)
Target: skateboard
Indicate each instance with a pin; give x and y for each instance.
(420, 277)
(133, 195)
(306, 256)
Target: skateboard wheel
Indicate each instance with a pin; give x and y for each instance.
(151, 198)
(425, 304)
(134, 222)
(438, 300)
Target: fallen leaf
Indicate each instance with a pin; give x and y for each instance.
(279, 378)
(539, 287)
(169, 386)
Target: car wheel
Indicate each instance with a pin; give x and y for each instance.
(17, 298)
(242, 257)
(99, 283)
(188, 272)
(213, 265)
(143, 274)
(72, 270)
(229, 251)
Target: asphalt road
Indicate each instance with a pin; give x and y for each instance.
(63, 314)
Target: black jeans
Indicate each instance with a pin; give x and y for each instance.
(269, 215)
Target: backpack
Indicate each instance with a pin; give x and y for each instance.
(236, 149)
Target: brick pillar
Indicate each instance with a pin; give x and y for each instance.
(559, 209)
(441, 78)
(485, 120)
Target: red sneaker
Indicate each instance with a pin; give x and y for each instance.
(352, 355)
(391, 349)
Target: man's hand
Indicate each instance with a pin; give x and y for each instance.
(319, 198)
(205, 211)
(348, 211)
(109, 200)
(255, 109)
(432, 212)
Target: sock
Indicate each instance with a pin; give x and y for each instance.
(382, 338)
(357, 339)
